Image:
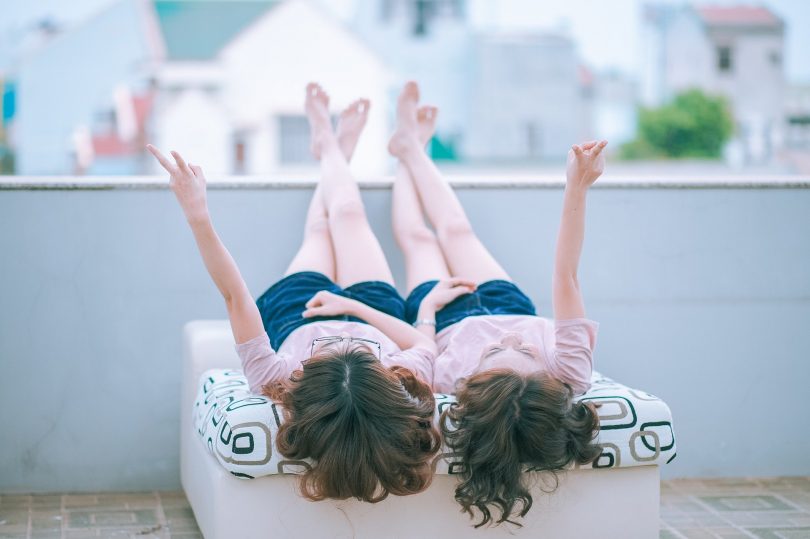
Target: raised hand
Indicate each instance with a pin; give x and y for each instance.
(586, 162)
(328, 304)
(187, 182)
(446, 291)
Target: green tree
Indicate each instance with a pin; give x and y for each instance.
(694, 124)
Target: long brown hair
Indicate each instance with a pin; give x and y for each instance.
(369, 428)
(505, 423)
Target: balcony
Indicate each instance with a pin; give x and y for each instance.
(701, 288)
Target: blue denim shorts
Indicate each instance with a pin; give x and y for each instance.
(491, 297)
(284, 302)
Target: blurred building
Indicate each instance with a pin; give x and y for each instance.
(504, 95)
(530, 98)
(734, 51)
(222, 81)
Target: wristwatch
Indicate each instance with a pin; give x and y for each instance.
(424, 322)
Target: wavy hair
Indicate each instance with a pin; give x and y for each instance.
(368, 428)
(505, 423)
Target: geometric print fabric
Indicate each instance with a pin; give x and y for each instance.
(239, 428)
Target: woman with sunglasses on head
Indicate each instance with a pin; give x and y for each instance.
(328, 341)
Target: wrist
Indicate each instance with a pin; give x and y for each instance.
(197, 217)
(577, 184)
(427, 310)
(356, 308)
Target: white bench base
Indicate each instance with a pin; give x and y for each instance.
(620, 502)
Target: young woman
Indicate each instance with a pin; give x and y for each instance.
(514, 374)
(327, 341)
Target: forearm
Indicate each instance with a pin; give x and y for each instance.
(403, 334)
(218, 261)
(572, 233)
(566, 295)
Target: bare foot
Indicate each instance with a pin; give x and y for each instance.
(317, 109)
(406, 136)
(350, 125)
(426, 123)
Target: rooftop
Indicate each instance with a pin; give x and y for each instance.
(738, 16)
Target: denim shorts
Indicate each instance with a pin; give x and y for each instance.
(284, 302)
(491, 297)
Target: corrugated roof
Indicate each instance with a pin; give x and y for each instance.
(738, 16)
(198, 29)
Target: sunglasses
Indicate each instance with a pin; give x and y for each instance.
(325, 341)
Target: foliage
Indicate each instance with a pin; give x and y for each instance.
(693, 125)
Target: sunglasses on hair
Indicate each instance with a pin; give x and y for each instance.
(324, 341)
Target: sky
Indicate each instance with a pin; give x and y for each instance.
(608, 33)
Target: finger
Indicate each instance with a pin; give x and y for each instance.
(600, 147)
(162, 159)
(459, 281)
(309, 313)
(196, 169)
(181, 163)
(316, 300)
(590, 144)
(577, 150)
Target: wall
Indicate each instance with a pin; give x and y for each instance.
(702, 294)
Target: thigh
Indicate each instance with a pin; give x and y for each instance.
(314, 255)
(424, 260)
(467, 257)
(358, 254)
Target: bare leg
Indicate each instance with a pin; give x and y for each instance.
(466, 256)
(424, 260)
(316, 252)
(358, 255)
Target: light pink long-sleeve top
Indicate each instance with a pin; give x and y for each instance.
(262, 364)
(566, 347)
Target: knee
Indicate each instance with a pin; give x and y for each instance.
(347, 210)
(317, 227)
(454, 227)
(414, 236)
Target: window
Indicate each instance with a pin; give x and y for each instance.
(239, 152)
(776, 58)
(724, 59)
(294, 140)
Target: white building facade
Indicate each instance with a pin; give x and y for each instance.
(733, 51)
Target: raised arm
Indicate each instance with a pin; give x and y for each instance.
(328, 304)
(188, 184)
(585, 165)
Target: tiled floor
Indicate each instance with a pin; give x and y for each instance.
(139, 515)
(769, 508)
(766, 508)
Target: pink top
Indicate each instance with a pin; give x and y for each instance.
(566, 347)
(262, 364)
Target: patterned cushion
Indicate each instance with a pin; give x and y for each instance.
(239, 428)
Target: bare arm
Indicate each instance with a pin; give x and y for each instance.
(328, 304)
(188, 184)
(440, 295)
(585, 165)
